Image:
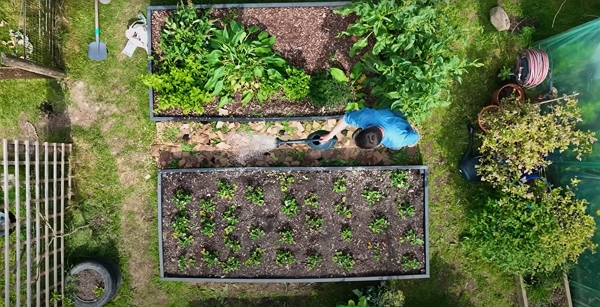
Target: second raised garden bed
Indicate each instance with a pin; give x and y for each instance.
(293, 224)
(305, 37)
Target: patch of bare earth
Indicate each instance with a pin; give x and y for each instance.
(82, 112)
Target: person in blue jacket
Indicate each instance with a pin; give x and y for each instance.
(377, 127)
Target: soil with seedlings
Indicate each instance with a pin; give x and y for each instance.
(86, 282)
(305, 37)
(270, 218)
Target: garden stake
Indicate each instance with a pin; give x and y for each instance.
(313, 141)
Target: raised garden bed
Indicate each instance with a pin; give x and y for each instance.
(305, 37)
(293, 224)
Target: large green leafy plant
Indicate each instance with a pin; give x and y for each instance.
(413, 61)
(522, 134)
(530, 236)
(200, 59)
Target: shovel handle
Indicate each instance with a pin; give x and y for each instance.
(97, 27)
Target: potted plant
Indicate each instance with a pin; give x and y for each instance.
(507, 91)
(485, 112)
(93, 282)
(522, 135)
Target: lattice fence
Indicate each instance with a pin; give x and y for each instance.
(35, 183)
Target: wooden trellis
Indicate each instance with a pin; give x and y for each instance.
(35, 182)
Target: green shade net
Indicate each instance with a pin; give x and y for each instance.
(575, 67)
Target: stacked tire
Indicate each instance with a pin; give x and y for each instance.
(111, 275)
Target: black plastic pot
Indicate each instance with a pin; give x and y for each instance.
(111, 275)
(421, 168)
(153, 117)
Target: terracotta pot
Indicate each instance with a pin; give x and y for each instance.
(483, 111)
(496, 95)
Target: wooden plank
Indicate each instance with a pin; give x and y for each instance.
(28, 219)
(37, 222)
(6, 242)
(18, 216)
(521, 293)
(567, 290)
(12, 61)
(17, 73)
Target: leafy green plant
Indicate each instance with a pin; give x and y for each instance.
(231, 264)
(230, 219)
(225, 189)
(399, 179)
(181, 199)
(387, 294)
(183, 263)
(531, 236)
(344, 260)
(362, 301)
(372, 196)
(290, 206)
(405, 209)
(410, 264)
(412, 64)
(313, 261)
(233, 243)
(286, 236)
(208, 226)
(256, 257)
(98, 291)
(339, 186)
(296, 86)
(255, 195)
(314, 223)
(170, 133)
(411, 238)
(505, 73)
(255, 233)
(379, 225)
(210, 258)
(376, 248)
(346, 234)
(343, 209)
(283, 257)
(327, 92)
(207, 206)
(504, 159)
(286, 182)
(189, 147)
(312, 199)
(181, 228)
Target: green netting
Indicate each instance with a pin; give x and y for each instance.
(575, 64)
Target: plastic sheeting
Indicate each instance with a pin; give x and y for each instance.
(575, 65)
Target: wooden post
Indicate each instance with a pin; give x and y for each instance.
(521, 293)
(12, 61)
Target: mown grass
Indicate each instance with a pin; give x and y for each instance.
(123, 215)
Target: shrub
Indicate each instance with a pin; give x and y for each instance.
(413, 63)
(387, 294)
(327, 92)
(521, 136)
(529, 236)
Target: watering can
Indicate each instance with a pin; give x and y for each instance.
(313, 141)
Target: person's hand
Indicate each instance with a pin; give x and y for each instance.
(326, 137)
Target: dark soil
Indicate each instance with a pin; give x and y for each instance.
(506, 92)
(86, 282)
(305, 36)
(270, 218)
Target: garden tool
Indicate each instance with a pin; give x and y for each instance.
(313, 141)
(468, 163)
(97, 50)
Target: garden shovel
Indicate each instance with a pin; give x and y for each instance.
(97, 51)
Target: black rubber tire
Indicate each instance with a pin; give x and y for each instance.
(109, 271)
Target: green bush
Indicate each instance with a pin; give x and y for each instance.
(530, 236)
(521, 135)
(413, 62)
(327, 92)
(296, 86)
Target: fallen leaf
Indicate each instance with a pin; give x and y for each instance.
(223, 146)
(223, 112)
(220, 124)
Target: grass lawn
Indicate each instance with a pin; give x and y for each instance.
(115, 184)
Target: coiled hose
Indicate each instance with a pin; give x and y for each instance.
(532, 67)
